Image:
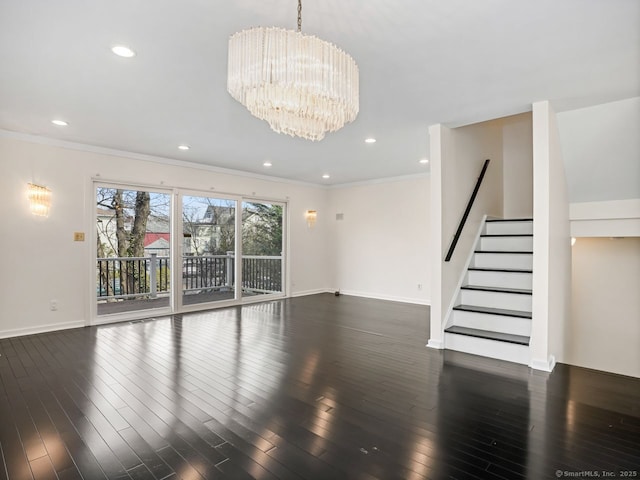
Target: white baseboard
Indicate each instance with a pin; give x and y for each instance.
(438, 344)
(391, 298)
(544, 365)
(304, 293)
(19, 332)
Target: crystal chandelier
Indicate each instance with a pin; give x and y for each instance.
(301, 85)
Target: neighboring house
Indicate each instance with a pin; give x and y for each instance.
(212, 234)
(157, 243)
(156, 239)
(158, 236)
(106, 228)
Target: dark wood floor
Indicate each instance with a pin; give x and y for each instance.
(318, 387)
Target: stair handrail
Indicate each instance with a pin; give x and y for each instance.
(467, 211)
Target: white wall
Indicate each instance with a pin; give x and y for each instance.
(552, 254)
(457, 156)
(604, 332)
(517, 164)
(380, 248)
(439, 142)
(42, 262)
(601, 149)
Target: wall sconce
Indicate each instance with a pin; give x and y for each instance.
(311, 216)
(39, 199)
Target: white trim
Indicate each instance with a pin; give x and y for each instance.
(543, 365)
(317, 291)
(25, 137)
(376, 181)
(89, 216)
(438, 144)
(52, 327)
(437, 344)
(606, 210)
(619, 227)
(484, 347)
(131, 316)
(263, 298)
(612, 218)
(391, 298)
(204, 306)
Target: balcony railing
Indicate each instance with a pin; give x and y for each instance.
(150, 277)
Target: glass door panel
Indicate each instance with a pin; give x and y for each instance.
(133, 250)
(208, 250)
(262, 248)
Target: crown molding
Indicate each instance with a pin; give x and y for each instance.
(376, 181)
(82, 147)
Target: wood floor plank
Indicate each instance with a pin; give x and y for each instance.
(151, 461)
(15, 456)
(52, 441)
(42, 469)
(3, 464)
(79, 451)
(315, 387)
(179, 464)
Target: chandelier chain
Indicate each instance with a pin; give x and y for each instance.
(299, 15)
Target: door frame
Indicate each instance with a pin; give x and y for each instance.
(94, 318)
(284, 249)
(176, 194)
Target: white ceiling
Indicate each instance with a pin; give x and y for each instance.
(421, 63)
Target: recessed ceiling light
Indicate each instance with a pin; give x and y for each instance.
(184, 147)
(326, 175)
(267, 163)
(370, 140)
(424, 160)
(123, 51)
(60, 123)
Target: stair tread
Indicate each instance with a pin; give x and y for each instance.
(509, 219)
(508, 270)
(492, 235)
(494, 311)
(505, 251)
(496, 289)
(487, 334)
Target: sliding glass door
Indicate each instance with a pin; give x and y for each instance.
(262, 248)
(133, 250)
(212, 249)
(208, 249)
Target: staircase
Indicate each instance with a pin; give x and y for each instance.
(492, 316)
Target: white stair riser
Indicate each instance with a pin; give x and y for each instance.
(507, 301)
(500, 279)
(494, 323)
(522, 261)
(507, 244)
(507, 228)
(510, 352)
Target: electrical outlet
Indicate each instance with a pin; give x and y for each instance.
(419, 286)
(53, 305)
(78, 236)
